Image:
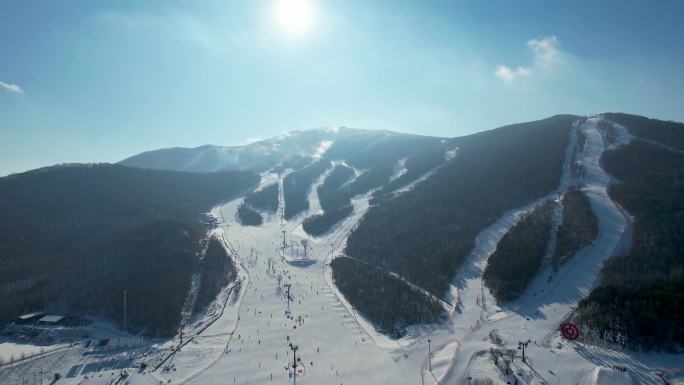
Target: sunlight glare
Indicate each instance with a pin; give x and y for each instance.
(295, 16)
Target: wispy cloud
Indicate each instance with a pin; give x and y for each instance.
(546, 53)
(9, 87)
(545, 50)
(509, 74)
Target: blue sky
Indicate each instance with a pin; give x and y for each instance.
(97, 81)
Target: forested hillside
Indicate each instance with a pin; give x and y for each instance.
(265, 199)
(297, 184)
(425, 234)
(578, 229)
(400, 306)
(336, 202)
(369, 149)
(336, 205)
(216, 271)
(642, 293)
(72, 238)
(416, 166)
(519, 254)
(248, 216)
(664, 132)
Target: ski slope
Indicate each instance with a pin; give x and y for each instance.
(244, 337)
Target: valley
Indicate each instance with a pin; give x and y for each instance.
(277, 298)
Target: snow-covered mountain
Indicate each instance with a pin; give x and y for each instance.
(265, 154)
(384, 257)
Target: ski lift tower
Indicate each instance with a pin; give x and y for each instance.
(521, 346)
(294, 349)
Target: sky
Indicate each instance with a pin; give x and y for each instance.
(98, 81)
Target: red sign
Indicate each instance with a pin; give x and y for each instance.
(570, 331)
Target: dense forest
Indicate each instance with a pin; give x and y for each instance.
(72, 238)
(416, 166)
(369, 149)
(297, 184)
(368, 180)
(335, 204)
(338, 205)
(247, 216)
(519, 255)
(386, 301)
(426, 233)
(578, 229)
(216, 270)
(642, 292)
(664, 132)
(328, 191)
(265, 199)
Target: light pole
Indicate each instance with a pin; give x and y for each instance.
(429, 354)
(294, 349)
(288, 296)
(521, 346)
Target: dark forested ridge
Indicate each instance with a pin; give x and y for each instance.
(425, 234)
(72, 238)
(385, 300)
(519, 254)
(216, 270)
(416, 166)
(578, 229)
(642, 293)
(327, 192)
(664, 132)
(335, 203)
(338, 205)
(248, 216)
(297, 184)
(369, 149)
(265, 199)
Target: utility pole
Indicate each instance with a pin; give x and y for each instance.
(294, 349)
(522, 345)
(124, 320)
(429, 354)
(288, 296)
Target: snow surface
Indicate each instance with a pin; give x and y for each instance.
(243, 337)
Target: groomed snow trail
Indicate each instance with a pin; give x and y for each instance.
(536, 315)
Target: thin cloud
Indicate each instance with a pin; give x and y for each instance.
(9, 87)
(545, 50)
(509, 74)
(546, 53)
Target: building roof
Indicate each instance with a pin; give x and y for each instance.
(31, 315)
(51, 318)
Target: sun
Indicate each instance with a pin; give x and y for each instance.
(295, 16)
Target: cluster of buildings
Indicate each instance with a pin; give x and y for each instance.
(40, 318)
